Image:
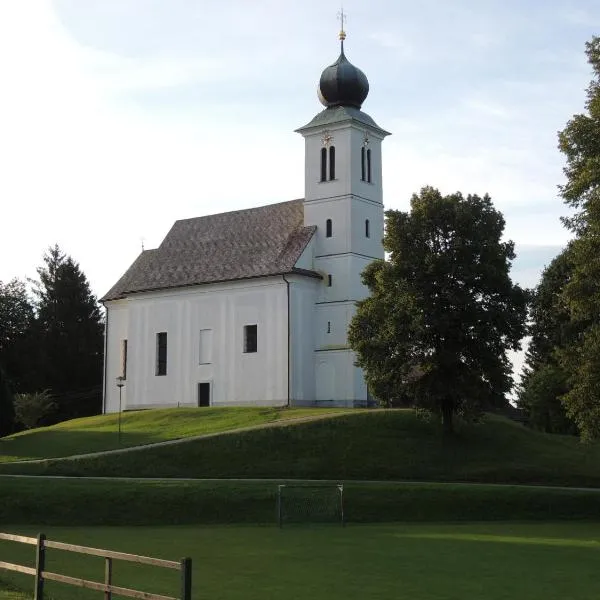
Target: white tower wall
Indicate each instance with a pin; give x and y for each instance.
(348, 202)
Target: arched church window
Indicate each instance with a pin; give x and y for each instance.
(363, 166)
(367, 228)
(369, 165)
(323, 164)
(331, 162)
(328, 228)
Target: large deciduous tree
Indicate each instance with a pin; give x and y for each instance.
(545, 379)
(443, 311)
(580, 143)
(71, 335)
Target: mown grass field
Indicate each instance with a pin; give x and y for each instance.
(364, 445)
(550, 561)
(100, 433)
(83, 502)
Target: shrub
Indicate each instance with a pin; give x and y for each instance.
(36, 409)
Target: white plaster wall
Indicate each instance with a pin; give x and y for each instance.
(347, 137)
(331, 325)
(361, 244)
(348, 202)
(236, 377)
(338, 383)
(305, 261)
(116, 330)
(303, 292)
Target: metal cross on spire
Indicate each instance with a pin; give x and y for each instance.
(342, 19)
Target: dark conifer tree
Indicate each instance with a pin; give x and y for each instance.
(71, 336)
(7, 409)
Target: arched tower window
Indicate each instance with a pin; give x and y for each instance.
(363, 166)
(367, 228)
(331, 162)
(369, 165)
(329, 280)
(323, 164)
(328, 228)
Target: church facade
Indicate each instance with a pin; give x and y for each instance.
(252, 307)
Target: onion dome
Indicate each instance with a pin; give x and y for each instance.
(343, 84)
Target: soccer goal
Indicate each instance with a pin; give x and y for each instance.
(301, 503)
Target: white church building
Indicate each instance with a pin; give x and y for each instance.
(252, 307)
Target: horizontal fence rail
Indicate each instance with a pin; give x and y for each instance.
(184, 566)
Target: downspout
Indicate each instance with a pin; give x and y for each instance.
(288, 341)
(105, 358)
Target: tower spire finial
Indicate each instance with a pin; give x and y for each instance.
(342, 18)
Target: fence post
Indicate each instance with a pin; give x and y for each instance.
(108, 577)
(186, 579)
(40, 561)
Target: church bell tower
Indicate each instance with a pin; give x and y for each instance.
(344, 199)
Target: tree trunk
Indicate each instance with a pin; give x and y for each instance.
(447, 414)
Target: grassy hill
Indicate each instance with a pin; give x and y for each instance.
(363, 445)
(100, 433)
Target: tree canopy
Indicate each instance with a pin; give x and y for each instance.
(544, 379)
(443, 311)
(7, 409)
(17, 346)
(71, 331)
(580, 143)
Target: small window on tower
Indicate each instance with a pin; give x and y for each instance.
(250, 338)
(332, 162)
(363, 165)
(328, 326)
(369, 165)
(328, 228)
(329, 280)
(367, 228)
(323, 164)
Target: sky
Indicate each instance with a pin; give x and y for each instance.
(118, 117)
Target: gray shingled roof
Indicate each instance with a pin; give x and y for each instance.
(341, 114)
(256, 242)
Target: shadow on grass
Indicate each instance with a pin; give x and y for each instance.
(59, 443)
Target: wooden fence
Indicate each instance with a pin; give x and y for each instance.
(41, 575)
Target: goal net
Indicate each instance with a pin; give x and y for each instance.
(298, 503)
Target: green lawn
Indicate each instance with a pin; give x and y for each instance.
(94, 434)
(550, 561)
(58, 502)
(376, 445)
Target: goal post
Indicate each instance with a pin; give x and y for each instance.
(310, 503)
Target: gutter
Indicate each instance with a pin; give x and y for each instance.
(288, 341)
(105, 358)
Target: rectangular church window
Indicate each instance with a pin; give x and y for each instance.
(205, 346)
(123, 359)
(161, 353)
(250, 338)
